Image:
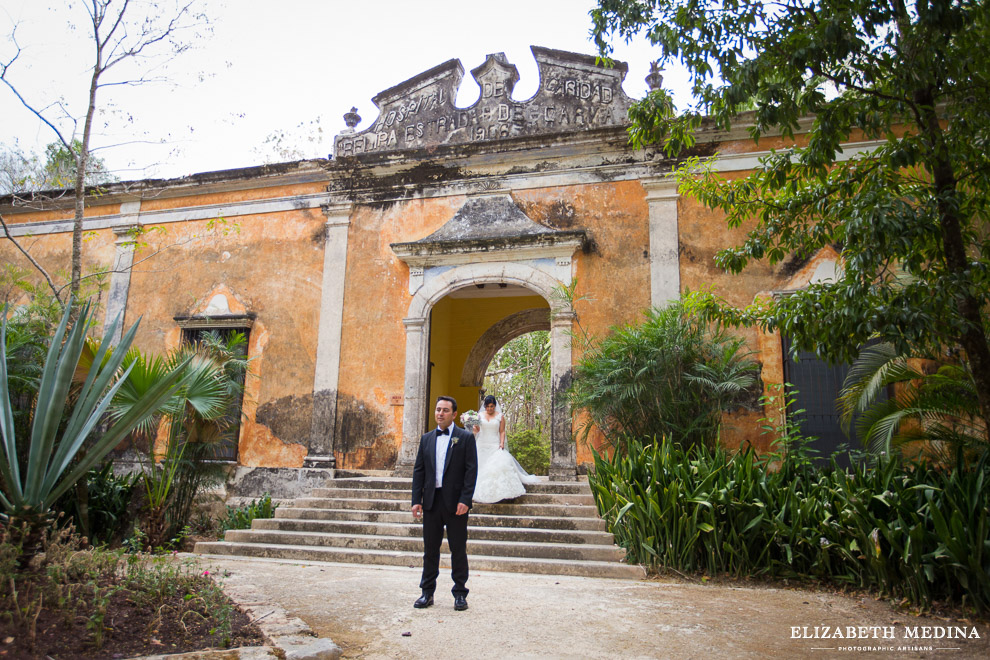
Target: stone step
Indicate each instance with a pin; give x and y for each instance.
(404, 496)
(475, 519)
(415, 530)
(569, 551)
(600, 569)
(399, 483)
(501, 508)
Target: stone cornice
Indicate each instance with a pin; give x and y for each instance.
(562, 244)
(165, 216)
(204, 183)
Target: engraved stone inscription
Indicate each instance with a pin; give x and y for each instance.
(575, 94)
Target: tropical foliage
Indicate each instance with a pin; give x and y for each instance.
(909, 213)
(105, 512)
(939, 409)
(519, 377)
(916, 533)
(63, 416)
(671, 375)
(200, 419)
(241, 517)
(531, 449)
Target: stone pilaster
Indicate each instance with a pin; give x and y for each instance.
(321, 442)
(120, 277)
(665, 274)
(414, 411)
(563, 450)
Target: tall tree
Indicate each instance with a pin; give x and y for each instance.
(131, 40)
(909, 214)
(22, 172)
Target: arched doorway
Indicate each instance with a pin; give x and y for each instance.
(467, 327)
(530, 285)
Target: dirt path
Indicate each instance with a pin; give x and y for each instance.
(367, 610)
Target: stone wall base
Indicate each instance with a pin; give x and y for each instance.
(281, 483)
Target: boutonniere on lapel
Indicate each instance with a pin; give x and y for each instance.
(454, 439)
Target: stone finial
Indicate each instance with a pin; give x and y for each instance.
(352, 119)
(655, 78)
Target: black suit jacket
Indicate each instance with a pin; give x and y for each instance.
(459, 474)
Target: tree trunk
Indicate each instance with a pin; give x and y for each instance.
(82, 163)
(974, 339)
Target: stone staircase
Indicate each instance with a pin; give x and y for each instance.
(553, 529)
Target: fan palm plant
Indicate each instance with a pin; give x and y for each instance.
(58, 454)
(671, 375)
(940, 408)
(199, 419)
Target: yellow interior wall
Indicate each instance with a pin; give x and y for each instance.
(456, 326)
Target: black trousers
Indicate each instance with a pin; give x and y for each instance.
(434, 522)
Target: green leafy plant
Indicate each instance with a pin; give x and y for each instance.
(670, 375)
(241, 517)
(531, 449)
(200, 417)
(108, 504)
(911, 532)
(909, 213)
(940, 409)
(519, 377)
(91, 585)
(55, 459)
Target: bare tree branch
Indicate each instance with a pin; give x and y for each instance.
(39, 267)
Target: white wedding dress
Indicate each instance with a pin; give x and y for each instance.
(500, 477)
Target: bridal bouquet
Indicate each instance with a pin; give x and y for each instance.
(470, 418)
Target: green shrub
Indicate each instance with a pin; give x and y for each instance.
(671, 375)
(108, 504)
(241, 517)
(906, 531)
(531, 450)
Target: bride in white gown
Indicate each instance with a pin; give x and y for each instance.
(500, 477)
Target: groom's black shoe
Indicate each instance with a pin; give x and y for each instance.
(425, 601)
(460, 603)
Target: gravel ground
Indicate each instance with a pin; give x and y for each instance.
(367, 611)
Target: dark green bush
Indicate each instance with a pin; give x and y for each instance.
(531, 450)
(241, 517)
(672, 374)
(906, 531)
(108, 504)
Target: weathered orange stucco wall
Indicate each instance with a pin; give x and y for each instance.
(54, 253)
(368, 429)
(613, 277)
(268, 265)
(271, 266)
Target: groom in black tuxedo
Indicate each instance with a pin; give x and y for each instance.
(443, 497)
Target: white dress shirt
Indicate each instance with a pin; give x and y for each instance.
(443, 441)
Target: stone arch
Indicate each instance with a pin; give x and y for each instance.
(449, 281)
(497, 336)
(563, 459)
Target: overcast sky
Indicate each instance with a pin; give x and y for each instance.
(294, 66)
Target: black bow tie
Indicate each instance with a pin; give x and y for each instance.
(445, 431)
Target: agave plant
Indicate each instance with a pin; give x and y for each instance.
(940, 408)
(58, 454)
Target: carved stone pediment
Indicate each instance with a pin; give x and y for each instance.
(487, 227)
(575, 94)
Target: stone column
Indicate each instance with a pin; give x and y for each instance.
(414, 411)
(665, 274)
(328, 336)
(120, 277)
(563, 450)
